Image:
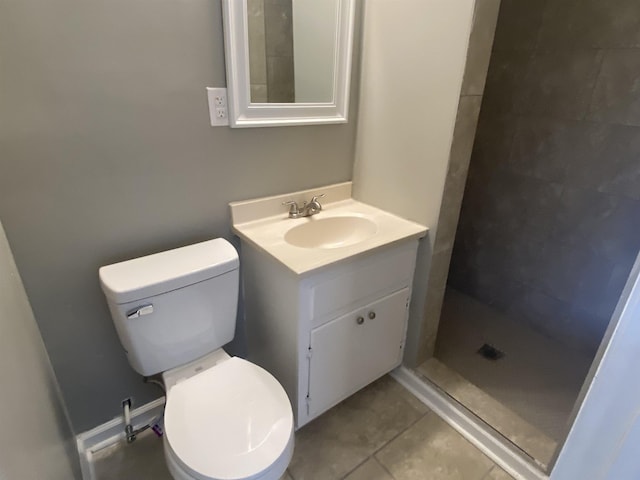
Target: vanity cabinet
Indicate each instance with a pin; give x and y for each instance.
(328, 333)
(349, 352)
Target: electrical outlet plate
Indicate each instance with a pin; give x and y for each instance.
(218, 109)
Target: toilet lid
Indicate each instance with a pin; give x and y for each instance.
(231, 421)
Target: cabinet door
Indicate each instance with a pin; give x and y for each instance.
(353, 350)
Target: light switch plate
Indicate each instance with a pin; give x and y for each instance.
(218, 110)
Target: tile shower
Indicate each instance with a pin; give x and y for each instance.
(548, 228)
(536, 252)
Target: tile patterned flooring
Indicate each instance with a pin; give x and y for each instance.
(539, 379)
(380, 433)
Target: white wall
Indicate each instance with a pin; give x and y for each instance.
(314, 37)
(413, 58)
(604, 441)
(35, 439)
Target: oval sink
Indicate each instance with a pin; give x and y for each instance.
(331, 232)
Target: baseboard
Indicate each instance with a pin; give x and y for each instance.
(112, 432)
(474, 430)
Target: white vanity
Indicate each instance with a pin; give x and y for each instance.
(326, 296)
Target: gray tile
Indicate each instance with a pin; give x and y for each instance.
(605, 159)
(554, 377)
(369, 470)
(493, 143)
(505, 80)
(461, 148)
(497, 473)
(286, 476)
(542, 145)
(543, 312)
(605, 223)
(518, 24)
(142, 459)
(280, 80)
(617, 95)
(560, 83)
(436, 286)
(591, 24)
(559, 269)
(338, 441)
(432, 449)
(257, 48)
(480, 43)
(259, 94)
(481, 403)
(556, 29)
(279, 28)
(610, 24)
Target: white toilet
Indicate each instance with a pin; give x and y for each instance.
(225, 418)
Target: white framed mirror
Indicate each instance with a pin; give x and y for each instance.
(288, 61)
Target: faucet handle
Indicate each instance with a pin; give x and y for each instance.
(316, 197)
(293, 207)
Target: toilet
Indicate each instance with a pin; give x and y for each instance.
(225, 418)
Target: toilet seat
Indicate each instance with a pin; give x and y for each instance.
(230, 421)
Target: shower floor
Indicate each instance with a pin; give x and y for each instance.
(538, 378)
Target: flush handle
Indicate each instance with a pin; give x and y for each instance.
(140, 312)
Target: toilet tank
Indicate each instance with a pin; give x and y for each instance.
(172, 307)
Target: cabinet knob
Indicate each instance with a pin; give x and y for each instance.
(372, 315)
(360, 320)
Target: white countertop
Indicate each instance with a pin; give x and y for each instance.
(268, 233)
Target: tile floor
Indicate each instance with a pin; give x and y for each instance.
(535, 443)
(380, 433)
(539, 379)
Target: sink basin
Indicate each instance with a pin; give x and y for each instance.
(331, 232)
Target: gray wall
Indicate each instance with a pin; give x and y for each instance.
(36, 441)
(549, 226)
(106, 154)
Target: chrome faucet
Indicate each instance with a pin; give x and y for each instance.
(306, 210)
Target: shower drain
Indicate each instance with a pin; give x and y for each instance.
(490, 353)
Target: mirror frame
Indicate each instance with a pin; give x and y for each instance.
(243, 113)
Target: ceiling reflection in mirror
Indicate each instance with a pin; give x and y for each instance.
(292, 50)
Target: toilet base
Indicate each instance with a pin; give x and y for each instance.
(274, 472)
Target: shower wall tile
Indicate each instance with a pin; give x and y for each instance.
(555, 30)
(259, 94)
(548, 228)
(518, 24)
(610, 24)
(463, 137)
(257, 48)
(279, 27)
(280, 79)
(549, 314)
(507, 73)
(493, 143)
(480, 42)
(606, 159)
(617, 95)
(591, 24)
(542, 145)
(560, 83)
(279, 50)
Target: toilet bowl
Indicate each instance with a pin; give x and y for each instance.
(231, 420)
(225, 418)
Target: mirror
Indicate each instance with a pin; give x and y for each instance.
(288, 61)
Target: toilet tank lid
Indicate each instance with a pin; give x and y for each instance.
(162, 272)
